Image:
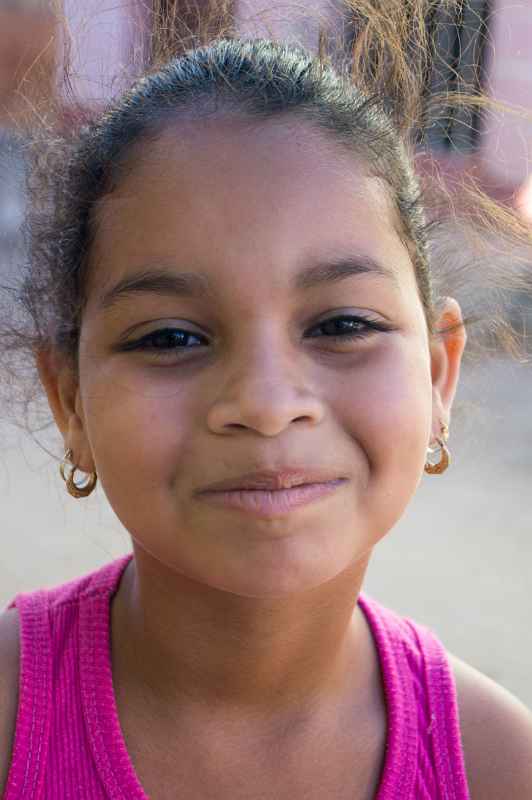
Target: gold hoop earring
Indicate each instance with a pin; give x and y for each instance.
(445, 457)
(73, 488)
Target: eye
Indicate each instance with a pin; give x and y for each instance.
(346, 327)
(164, 342)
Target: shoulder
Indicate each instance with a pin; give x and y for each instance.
(496, 731)
(9, 669)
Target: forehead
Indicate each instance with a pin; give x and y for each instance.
(242, 196)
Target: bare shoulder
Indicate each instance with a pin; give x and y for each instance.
(9, 670)
(496, 731)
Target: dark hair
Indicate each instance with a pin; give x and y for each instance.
(258, 79)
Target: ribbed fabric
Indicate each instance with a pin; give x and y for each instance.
(69, 744)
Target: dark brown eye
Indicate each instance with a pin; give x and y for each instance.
(347, 327)
(164, 341)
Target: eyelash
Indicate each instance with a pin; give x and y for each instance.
(370, 325)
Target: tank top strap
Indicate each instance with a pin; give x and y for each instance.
(49, 654)
(398, 776)
(108, 747)
(28, 761)
(424, 755)
(444, 730)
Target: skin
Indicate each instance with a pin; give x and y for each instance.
(247, 622)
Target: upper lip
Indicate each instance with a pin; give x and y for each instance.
(271, 479)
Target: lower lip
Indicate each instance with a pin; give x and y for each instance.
(272, 503)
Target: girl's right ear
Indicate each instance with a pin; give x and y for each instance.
(61, 385)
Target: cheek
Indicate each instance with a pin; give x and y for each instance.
(387, 407)
(138, 441)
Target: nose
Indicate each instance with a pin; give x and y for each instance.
(265, 392)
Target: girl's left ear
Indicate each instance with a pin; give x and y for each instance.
(446, 349)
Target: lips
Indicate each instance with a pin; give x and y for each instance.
(272, 480)
(272, 504)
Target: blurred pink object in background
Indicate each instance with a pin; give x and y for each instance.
(523, 200)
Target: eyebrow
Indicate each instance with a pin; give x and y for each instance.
(164, 281)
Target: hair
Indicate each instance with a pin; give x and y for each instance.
(367, 98)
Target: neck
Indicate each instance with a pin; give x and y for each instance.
(204, 647)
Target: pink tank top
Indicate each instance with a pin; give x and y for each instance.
(68, 741)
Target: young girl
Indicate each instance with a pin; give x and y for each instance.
(247, 204)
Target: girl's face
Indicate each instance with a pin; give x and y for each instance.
(250, 376)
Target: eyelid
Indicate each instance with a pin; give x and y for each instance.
(368, 315)
(364, 313)
(163, 322)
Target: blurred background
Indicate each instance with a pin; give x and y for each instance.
(460, 559)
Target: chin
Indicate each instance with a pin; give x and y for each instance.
(275, 579)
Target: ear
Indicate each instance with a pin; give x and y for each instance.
(446, 349)
(61, 384)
